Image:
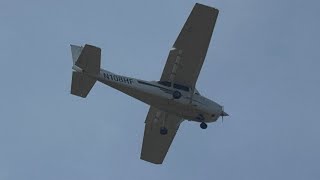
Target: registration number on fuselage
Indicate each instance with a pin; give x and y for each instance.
(117, 78)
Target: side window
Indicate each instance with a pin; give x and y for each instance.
(165, 83)
(181, 87)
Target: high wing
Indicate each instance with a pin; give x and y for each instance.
(189, 51)
(155, 146)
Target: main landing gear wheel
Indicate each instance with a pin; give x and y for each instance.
(203, 125)
(163, 131)
(176, 95)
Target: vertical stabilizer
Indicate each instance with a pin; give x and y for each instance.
(76, 51)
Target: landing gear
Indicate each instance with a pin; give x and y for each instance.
(163, 131)
(203, 125)
(176, 95)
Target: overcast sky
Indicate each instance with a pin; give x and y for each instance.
(262, 65)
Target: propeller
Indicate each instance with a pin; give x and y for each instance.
(223, 114)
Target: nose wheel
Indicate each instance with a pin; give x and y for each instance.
(203, 125)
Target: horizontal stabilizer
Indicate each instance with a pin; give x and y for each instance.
(81, 84)
(89, 59)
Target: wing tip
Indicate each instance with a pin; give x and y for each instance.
(206, 6)
(153, 161)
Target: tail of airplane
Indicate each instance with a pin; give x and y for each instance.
(86, 63)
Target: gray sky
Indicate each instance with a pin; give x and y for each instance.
(262, 65)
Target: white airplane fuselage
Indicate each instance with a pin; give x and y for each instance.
(190, 105)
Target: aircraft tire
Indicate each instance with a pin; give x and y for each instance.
(163, 131)
(203, 125)
(176, 95)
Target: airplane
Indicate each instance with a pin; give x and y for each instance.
(174, 98)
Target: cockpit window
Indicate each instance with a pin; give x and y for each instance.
(177, 86)
(181, 87)
(165, 83)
